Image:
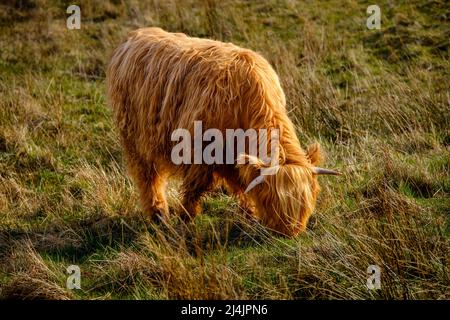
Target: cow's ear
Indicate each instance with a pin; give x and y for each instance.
(314, 154)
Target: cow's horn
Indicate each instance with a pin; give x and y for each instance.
(317, 170)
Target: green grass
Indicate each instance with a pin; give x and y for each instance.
(377, 101)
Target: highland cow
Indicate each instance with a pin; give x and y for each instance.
(159, 82)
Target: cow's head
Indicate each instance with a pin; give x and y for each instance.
(285, 199)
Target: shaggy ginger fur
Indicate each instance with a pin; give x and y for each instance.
(159, 81)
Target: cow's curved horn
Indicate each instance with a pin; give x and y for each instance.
(317, 170)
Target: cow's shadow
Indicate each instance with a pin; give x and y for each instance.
(219, 233)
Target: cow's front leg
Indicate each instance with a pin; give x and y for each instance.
(197, 182)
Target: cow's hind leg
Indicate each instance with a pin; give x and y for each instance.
(197, 181)
(151, 181)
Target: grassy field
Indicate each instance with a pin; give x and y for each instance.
(377, 100)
